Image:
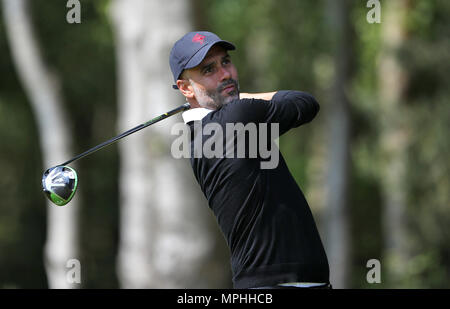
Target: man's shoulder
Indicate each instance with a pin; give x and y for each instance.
(240, 110)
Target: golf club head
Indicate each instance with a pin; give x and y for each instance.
(59, 184)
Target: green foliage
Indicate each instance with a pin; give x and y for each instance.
(82, 55)
(22, 214)
(22, 219)
(287, 44)
(427, 60)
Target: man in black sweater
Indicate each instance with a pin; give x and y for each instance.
(261, 210)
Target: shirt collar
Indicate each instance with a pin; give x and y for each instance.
(195, 114)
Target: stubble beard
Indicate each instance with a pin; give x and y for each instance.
(214, 99)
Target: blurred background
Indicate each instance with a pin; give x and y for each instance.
(374, 164)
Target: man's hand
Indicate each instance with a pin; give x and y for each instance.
(262, 96)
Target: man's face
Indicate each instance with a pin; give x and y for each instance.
(214, 82)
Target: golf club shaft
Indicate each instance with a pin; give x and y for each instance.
(177, 110)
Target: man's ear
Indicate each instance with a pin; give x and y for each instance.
(186, 88)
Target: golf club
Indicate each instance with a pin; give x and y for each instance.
(60, 182)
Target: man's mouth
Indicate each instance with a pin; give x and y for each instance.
(229, 88)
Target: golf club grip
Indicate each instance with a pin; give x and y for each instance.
(177, 110)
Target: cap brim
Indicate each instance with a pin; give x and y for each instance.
(201, 54)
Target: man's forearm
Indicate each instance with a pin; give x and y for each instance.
(262, 96)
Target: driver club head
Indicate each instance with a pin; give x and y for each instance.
(59, 184)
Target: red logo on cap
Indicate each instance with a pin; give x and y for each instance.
(198, 38)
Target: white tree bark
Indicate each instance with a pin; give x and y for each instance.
(165, 237)
(338, 242)
(43, 91)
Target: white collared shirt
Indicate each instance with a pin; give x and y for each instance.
(195, 114)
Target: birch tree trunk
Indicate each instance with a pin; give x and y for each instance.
(338, 240)
(43, 91)
(394, 138)
(165, 230)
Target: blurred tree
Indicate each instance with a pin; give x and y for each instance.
(43, 90)
(424, 56)
(280, 45)
(394, 138)
(84, 54)
(166, 239)
(338, 241)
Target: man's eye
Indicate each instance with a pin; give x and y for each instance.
(226, 61)
(207, 70)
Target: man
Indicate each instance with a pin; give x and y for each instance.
(262, 213)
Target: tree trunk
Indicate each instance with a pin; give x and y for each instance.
(166, 239)
(43, 90)
(337, 221)
(394, 139)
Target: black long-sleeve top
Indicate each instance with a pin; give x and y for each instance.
(262, 213)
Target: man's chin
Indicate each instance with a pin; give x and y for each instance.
(228, 100)
(217, 101)
(231, 97)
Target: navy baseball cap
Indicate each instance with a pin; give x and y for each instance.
(189, 51)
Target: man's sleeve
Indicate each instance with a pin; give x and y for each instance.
(288, 108)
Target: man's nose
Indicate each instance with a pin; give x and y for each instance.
(224, 73)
